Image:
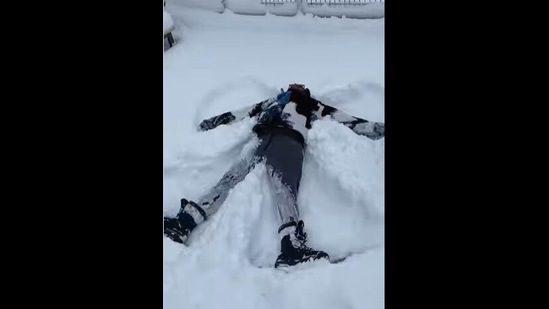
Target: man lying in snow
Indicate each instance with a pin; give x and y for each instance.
(282, 125)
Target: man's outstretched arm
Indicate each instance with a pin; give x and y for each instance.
(370, 129)
(236, 115)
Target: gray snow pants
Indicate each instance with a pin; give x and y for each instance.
(283, 157)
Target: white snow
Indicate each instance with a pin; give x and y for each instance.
(227, 61)
(255, 7)
(211, 5)
(322, 8)
(168, 22)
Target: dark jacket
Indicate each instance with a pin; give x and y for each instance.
(292, 113)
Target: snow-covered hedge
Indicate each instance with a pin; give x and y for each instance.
(323, 8)
(256, 7)
(210, 5)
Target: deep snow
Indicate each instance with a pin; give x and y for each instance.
(224, 62)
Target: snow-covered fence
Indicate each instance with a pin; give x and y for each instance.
(347, 8)
(276, 1)
(341, 2)
(321, 2)
(322, 8)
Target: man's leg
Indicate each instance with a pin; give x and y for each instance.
(211, 201)
(191, 214)
(284, 162)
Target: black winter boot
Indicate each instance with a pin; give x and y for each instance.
(293, 248)
(179, 228)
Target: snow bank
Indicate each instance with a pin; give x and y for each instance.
(210, 5)
(168, 22)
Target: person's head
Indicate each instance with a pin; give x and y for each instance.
(301, 96)
(300, 89)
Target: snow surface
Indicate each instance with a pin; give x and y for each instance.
(228, 61)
